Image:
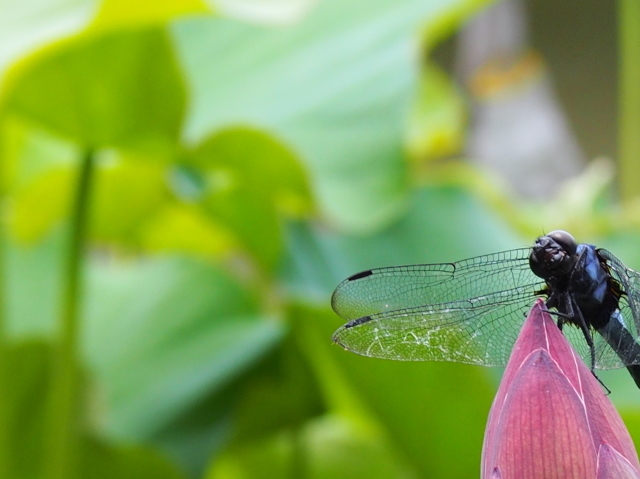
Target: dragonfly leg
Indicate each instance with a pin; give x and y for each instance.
(575, 316)
(571, 313)
(601, 383)
(552, 302)
(579, 319)
(562, 318)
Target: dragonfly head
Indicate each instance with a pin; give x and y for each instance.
(553, 255)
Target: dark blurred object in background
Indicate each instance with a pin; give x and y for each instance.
(518, 128)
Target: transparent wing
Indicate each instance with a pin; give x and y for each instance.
(481, 330)
(402, 287)
(627, 350)
(422, 312)
(606, 357)
(630, 282)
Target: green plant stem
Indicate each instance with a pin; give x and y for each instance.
(629, 97)
(298, 459)
(64, 425)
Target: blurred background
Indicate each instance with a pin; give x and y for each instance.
(185, 182)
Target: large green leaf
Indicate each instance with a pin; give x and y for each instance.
(100, 460)
(38, 172)
(336, 86)
(251, 179)
(443, 224)
(41, 205)
(331, 447)
(184, 229)
(126, 196)
(122, 13)
(33, 272)
(119, 89)
(433, 413)
(29, 379)
(133, 202)
(28, 23)
(255, 161)
(125, 201)
(279, 393)
(265, 12)
(228, 194)
(163, 334)
(437, 120)
(28, 375)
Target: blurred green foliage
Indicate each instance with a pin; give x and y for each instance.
(242, 170)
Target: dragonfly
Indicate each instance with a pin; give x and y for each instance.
(471, 311)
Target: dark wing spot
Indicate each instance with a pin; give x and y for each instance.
(362, 274)
(356, 322)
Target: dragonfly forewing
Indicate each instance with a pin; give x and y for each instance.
(401, 287)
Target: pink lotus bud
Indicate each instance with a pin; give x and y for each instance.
(551, 418)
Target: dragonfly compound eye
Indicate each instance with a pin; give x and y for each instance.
(553, 255)
(564, 240)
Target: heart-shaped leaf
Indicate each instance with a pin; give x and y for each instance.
(121, 89)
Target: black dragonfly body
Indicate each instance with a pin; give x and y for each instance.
(471, 311)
